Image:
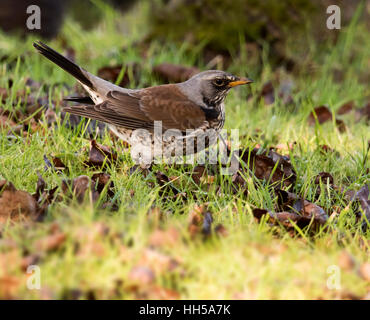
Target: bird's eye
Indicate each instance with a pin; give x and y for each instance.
(219, 82)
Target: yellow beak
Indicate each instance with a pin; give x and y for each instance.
(239, 82)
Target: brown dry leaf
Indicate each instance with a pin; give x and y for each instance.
(160, 293)
(323, 114)
(363, 113)
(346, 261)
(28, 260)
(9, 285)
(79, 187)
(263, 164)
(6, 123)
(90, 240)
(51, 242)
(365, 271)
(325, 177)
(200, 222)
(3, 94)
(141, 276)
(174, 73)
(267, 93)
(167, 186)
(239, 183)
(221, 230)
(101, 180)
(283, 217)
(158, 262)
(326, 149)
(112, 73)
(341, 125)
(306, 209)
(198, 173)
(346, 108)
(363, 197)
(285, 146)
(56, 164)
(16, 204)
(164, 238)
(100, 155)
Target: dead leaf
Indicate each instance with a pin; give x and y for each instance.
(263, 166)
(363, 113)
(100, 155)
(322, 113)
(198, 173)
(158, 262)
(174, 73)
(200, 222)
(51, 242)
(346, 108)
(101, 180)
(267, 93)
(79, 187)
(307, 210)
(325, 177)
(363, 197)
(141, 275)
(15, 204)
(160, 293)
(9, 286)
(131, 74)
(365, 271)
(346, 261)
(221, 230)
(164, 238)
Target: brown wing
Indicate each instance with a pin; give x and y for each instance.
(140, 109)
(168, 104)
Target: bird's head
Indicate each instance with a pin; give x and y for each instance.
(212, 86)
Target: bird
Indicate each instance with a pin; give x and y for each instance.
(184, 113)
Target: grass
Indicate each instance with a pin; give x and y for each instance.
(254, 261)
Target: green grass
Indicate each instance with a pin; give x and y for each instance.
(254, 261)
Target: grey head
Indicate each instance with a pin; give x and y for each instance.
(209, 88)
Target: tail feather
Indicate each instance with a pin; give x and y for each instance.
(63, 62)
(84, 100)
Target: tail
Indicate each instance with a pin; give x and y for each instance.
(63, 62)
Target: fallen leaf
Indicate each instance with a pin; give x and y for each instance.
(131, 74)
(141, 275)
(267, 93)
(322, 113)
(346, 261)
(15, 204)
(221, 230)
(78, 187)
(51, 242)
(164, 238)
(160, 293)
(307, 210)
(200, 222)
(346, 108)
(100, 155)
(325, 177)
(365, 271)
(363, 197)
(174, 73)
(269, 166)
(101, 180)
(158, 262)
